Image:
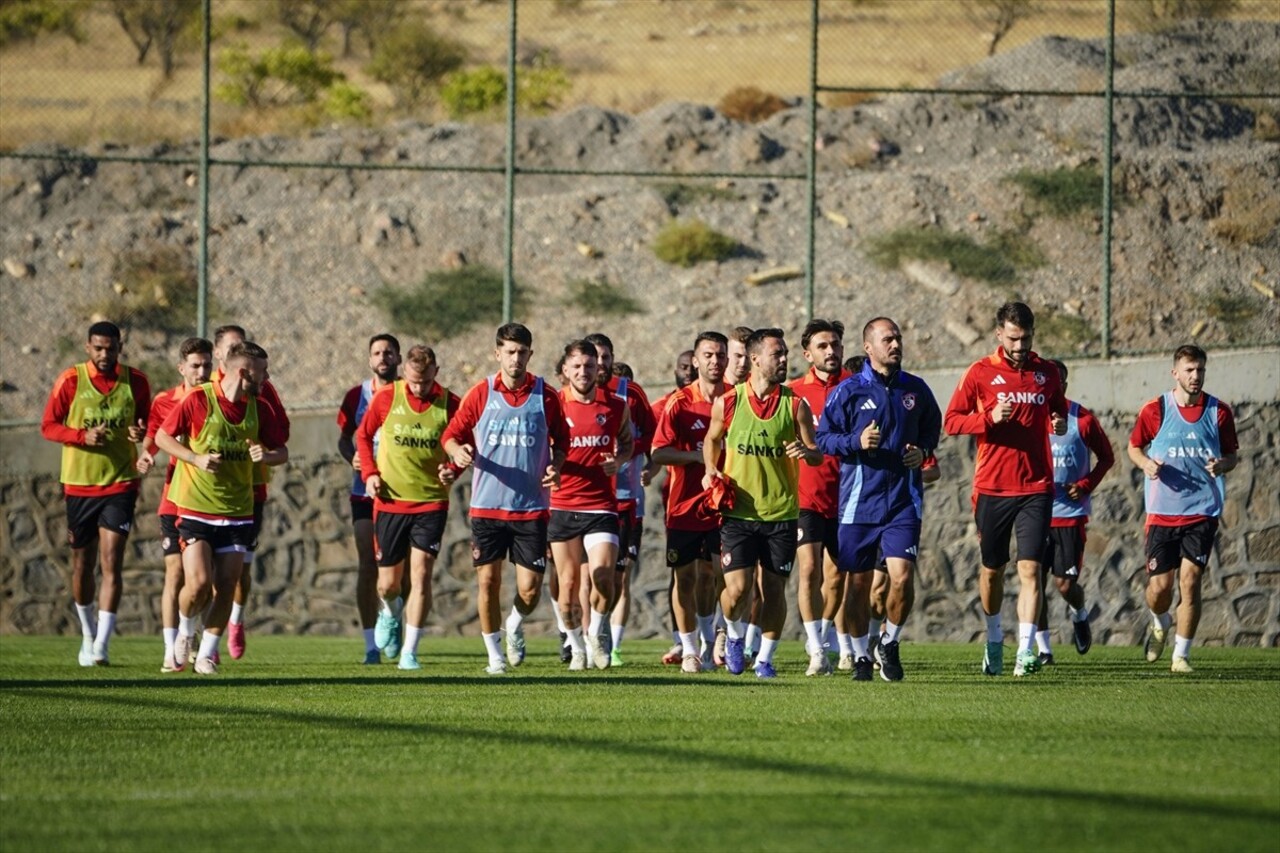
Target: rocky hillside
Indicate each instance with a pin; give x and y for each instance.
(934, 210)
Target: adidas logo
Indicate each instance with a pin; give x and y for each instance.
(869, 405)
(1202, 560)
(1191, 435)
(999, 380)
(698, 424)
(1071, 572)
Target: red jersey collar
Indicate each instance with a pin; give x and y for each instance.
(499, 385)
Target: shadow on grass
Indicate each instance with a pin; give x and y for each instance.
(684, 754)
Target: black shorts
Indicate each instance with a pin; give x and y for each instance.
(110, 512)
(361, 509)
(222, 538)
(525, 542)
(1026, 516)
(1167, 547)
(815, 527)
(395, 532)
(686, 546)
(169, 535)
(1064, 553)
(772, 544)
(569, 524)
(628, 538)
(258, 507)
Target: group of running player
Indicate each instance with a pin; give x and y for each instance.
(824, 474)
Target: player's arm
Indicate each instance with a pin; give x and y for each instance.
(1095, 438)
(271, 448)
(664, 450)
(626, 437)
(1144, 431)
(141, 388)
(374, 417)
(835, 435)
(1228, 440)
(965, 414)
(713, 444)
(458, 440)
(805, 447)
(53, 423)
(180, 422)
(347, 426)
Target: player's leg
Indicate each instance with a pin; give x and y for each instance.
(710, 593)
(628, 562)
(82, 531)
(833, 594)
(236, 640)
(1031, 531)
(994, 517)
(1190, 579)
(776, 559)
(228, 565)
(362, 531)
(602, 556)
(879, 597)
(392, 533)
(529, 553)
(195, 593)
(568, 557)
(169, 592)
(425, 536)
(809, 553)
(111, 545)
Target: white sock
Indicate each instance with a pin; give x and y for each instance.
(1181, 646)
(892, 631)
(186, 625)
(411, 637)
(370, 645)
(860, 645)
(995, 633)
(595, 622)
(615, 634)
(560, 626)
(1026, 636)
(491, 645)
(237, 613)
(106, 626)
(169, 634)
(514, 620)
(88, 627)
(812, 640)
(1042, 642)
(1164, 620)
(689, 642)
(208, 644)
(753, 637)
(735, 628)
(574, 636)
(845, 643)
(766, 650)
(707, 628)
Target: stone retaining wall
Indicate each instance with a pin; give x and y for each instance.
(305, 572)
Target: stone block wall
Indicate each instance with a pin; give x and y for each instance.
(305, 571)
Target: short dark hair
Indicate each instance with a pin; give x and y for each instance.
(1191, 352)
(817, 326)
(600, 339)
(854, 363)
(104, 329)
(1016, 313)
(222, 331)
(1061, 365)
(389, 338)
(871, 324)
(246, 349)
(741, 333)
(757, 338)
(714, 337)
(585, 346)
(621, 368)
(420, 356)
(514, 332)
(194, 345)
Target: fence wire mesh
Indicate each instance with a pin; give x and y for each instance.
(364, 172)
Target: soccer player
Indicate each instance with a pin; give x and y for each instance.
(1184, 441)
(693, 536)
(630, 482)
(1010, 401)
(406, 471)
(227, 430)
(584, 507)
(762, 428)
(735, 374)
(384, 364)
(225, 337)
(822, 342)
(195, 361)
(881, 424)
(1073, 482)
(510, 427)
(686, 372)
(98, 412)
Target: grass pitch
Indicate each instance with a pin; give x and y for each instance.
(297, 747)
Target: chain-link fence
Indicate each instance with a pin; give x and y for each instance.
(321, 171)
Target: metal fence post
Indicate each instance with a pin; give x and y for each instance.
(509, 235)
(202, 260)
(811, 161)
(1107, 165)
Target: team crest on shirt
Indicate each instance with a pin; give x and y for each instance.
(600, 419)
(908, 401)
(1040, 379)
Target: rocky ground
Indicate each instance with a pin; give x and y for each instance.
(297, 255)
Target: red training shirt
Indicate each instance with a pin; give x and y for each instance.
(819, 484)
(374, 417)
(54, 428)
(593, 433)
(1148, 424)
(683, 426)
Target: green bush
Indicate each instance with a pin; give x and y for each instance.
(539, 89)
(345, 101)
(412, 59)
(600, 299)
(677, 194)
(997, 262)
(447, 302)
(279, 76)
(24, 20)
(687, 243)
(1063, 192)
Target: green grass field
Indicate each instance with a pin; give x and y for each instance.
(297, 747)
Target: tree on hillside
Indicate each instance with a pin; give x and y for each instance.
(997, 17)
(413, 58)
(157, 23)
(374, 19)
(24, 20)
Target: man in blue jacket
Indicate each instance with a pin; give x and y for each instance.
(881, 423)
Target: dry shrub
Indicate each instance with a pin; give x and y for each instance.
(1250, 212)
(749, 104)
(843, 100)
